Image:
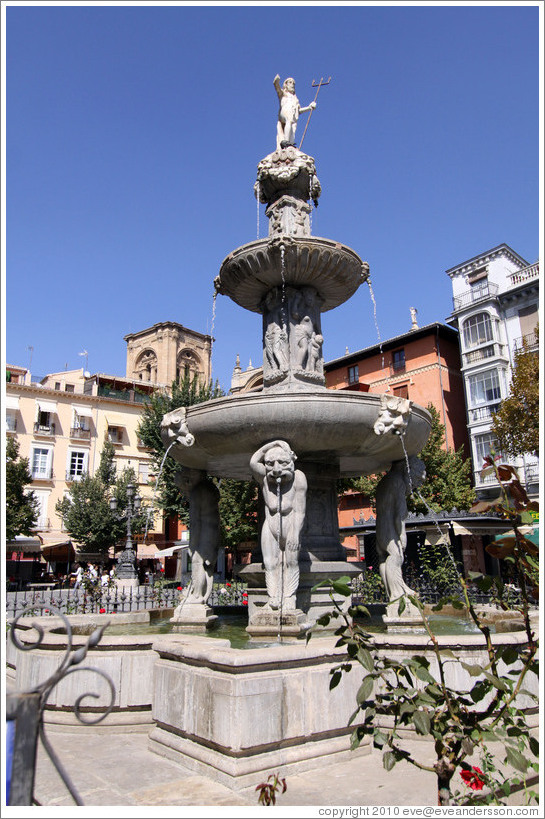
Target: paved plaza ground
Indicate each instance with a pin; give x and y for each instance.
(119, 769)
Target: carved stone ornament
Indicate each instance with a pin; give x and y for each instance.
(287, 170)
(174, 429)
(394, 415)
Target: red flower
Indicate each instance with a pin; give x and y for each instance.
(228, 585)
(472, 778)
(102, 611)
(179, 588)
(161, 569)
(245, 594)
(244, 602)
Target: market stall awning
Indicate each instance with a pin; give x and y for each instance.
(62, 550)
(28, 545)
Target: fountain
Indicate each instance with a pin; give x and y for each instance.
(295, 437)
(235, 714)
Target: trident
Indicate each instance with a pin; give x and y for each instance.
(314, 85)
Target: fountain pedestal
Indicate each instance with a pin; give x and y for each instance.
(193, 617)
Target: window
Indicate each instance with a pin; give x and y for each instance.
(77, 464)
(57, 385)
(484, 388)
(41, 463)
(69, 388)
(44, 420)
(11, 420)
(401, 391)
(115, 434)
(81, 422)
(484, 444)
(398, 361)
(353, 374)
(143, 472)
(478, 330)
(42, 496)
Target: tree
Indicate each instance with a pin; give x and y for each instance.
(238, 512)
(21, 506)
(516, 424)
(447, 485)
(448, 482)
(184, 394)
(86, 512)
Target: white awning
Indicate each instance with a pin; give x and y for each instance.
(114, 420)
(173, 550)
(12, 402)
(84, 412)
(46, 406)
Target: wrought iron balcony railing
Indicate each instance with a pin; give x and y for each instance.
(44, 429)
(476, 294)
(42, 474)
(483, 413)
(80, 433)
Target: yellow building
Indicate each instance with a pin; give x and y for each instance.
(61, 424)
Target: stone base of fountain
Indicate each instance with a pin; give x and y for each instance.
(124, 584)
(409, 621)
(266, 622)
(193, 617)
(311, 602)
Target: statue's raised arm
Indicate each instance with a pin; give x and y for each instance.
(288, 113)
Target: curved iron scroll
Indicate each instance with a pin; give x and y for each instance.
(27, 709)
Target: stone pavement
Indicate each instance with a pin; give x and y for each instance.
(118, 769)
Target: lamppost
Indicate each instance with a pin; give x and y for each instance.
(126, 562)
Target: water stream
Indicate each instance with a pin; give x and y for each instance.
(373, 300)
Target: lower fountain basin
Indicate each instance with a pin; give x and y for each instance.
(331, 425)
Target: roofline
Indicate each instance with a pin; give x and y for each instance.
(165, 324)
(494, 250)
(437, 326)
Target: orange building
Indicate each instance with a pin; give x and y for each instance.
(422, 365)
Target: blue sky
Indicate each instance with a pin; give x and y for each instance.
(132, 139)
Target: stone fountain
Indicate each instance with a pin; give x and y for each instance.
(294, 437)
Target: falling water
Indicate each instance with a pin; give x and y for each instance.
(156, 487)
(279, 498)
(258, 195)
(214, 299)
(310, 181)
(371, 293)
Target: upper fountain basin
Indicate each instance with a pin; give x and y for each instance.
(252, 270)
(332, 426)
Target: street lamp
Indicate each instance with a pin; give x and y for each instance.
(126, 562)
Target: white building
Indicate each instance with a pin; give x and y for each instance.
(495, 307)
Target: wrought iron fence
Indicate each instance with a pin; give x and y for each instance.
(103, 600)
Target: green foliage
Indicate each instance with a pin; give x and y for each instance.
(516, 424)
(238, 511)
(187, 392)
(448, 474)
(86, 512)
(21, 506)
(438, 568)
(396, 695)
(106, 470)
(369, 587)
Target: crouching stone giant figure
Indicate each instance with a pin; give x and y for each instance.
(284, 491)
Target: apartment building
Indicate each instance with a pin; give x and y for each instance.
(495, 309)
(61, 423)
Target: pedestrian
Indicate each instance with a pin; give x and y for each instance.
(78, 574)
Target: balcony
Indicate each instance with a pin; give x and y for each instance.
(80, 433)
(490, 351)
(483, 413)
(488, 480)
(524, 275)
(475, 295)
(42, 474)
(74, 476)
(47, 430)
(531, 473)
(528, 342)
